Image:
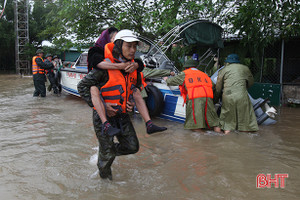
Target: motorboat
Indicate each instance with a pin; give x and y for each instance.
(72, 75)
(165, 101)
(170, 105)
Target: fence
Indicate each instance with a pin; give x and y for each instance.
(276, 68)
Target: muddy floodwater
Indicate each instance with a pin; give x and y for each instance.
(48, 150)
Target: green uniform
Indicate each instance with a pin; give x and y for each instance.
(199, 104)
(40, 79)
(51, 76)
(237, 111)
(151, 73)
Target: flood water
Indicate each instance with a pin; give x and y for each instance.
(48, 151)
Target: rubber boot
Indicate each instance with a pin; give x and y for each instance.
(106, 174)
(152, 128)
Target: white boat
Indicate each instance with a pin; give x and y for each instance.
(70, 76)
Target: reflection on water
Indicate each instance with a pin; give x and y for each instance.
(49, 151)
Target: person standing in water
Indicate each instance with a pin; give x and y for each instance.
(95, 61)
(196, 89)
(38, 71)
(237, 111)
(50, 74)
(113, 87)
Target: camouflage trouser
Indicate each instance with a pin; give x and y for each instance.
(51, 78)
(108, 150)
(39, 85)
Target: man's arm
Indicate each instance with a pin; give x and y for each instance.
(109, 65)
(176, 80)
(43, 65)
(127, 66)
(98, 104)
(91, 79)
(148, 72)
(219, 86)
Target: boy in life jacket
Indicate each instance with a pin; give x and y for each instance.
(95, 60)
(113, 87)
(196, 90)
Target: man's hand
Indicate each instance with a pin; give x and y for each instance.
(129, 106)
(110, 110)
(172, 73)
(54, 63)
(131, 67)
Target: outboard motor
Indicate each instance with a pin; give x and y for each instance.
(264, 113)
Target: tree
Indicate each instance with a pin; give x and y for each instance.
(40, 19)
(149, 18)
(7, 37)
(261, 22)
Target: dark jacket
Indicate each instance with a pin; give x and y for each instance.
(49, 64)
(95, 56)
(42, 65)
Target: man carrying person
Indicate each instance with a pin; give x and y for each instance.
(113, 87)
(95, 61)
(38, 71)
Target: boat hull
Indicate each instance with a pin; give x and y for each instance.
(174, 107)
(70, 78)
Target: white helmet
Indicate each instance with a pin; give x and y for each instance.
(127, 36)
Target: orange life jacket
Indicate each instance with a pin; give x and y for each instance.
(108, 51)
(196, 85)
(35, 68)
(119, 88)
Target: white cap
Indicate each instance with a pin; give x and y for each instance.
(127, 36)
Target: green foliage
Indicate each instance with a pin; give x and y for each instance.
(7, 37)
(76, 23)
(149, 18)
(39, 20)
(261, 22)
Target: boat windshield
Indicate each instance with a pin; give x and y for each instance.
(82, 60)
